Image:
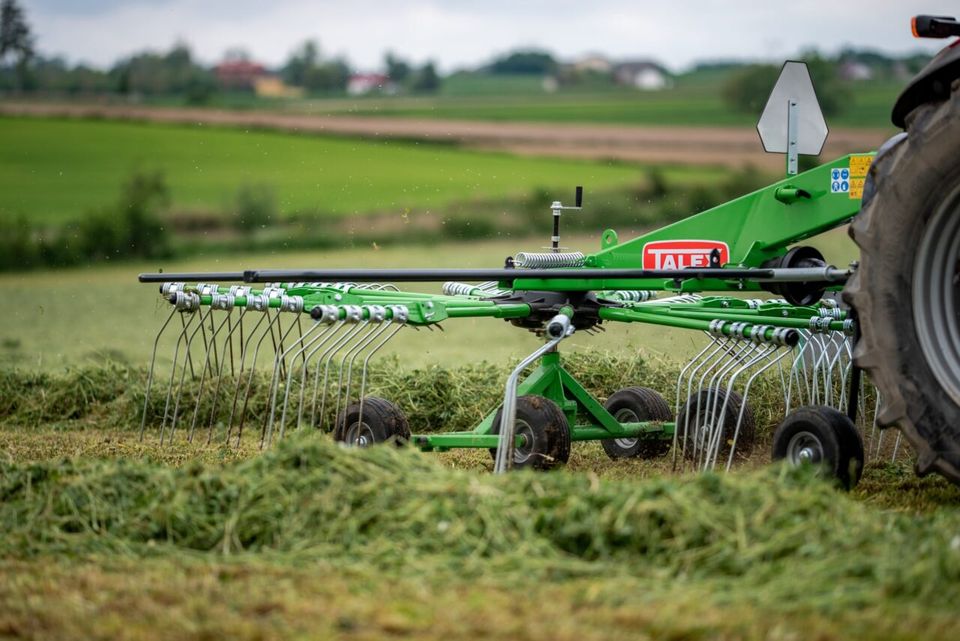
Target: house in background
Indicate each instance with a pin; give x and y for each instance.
(641, 74)
(593, 62)
(360, 84)
(272, 86)
(239, 74)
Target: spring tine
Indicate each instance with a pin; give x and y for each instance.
(745, 359)
(363, 378)
(245, 345)
(328, 335)
(739, 353)
(301, 346)
(358, 342)
(153, 362)
(189, 357)
(308, 351)
(896, 447)
(746, 395)
(718, 346)
(181, 339)
(279, 372)
(268, 331)
(213, 342)
(183, 372)
(329, 355)
(216, 392)
(378, 313)
(207, 365)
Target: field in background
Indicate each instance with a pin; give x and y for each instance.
(70, 317)
(53, 171)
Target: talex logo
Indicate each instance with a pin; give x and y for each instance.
(678, 254)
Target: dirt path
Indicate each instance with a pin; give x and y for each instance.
(728, 146)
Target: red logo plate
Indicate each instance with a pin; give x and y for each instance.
(679, 254)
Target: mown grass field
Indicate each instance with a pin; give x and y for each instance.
(52, 171)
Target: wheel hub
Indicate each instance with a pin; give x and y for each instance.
(626, 415)
(936, 294)
(804, 449)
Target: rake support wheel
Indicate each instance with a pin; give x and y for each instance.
(380, 421)
(708, 401)
(821, 435)
(907, 288)
(635, 405)
(545, 431)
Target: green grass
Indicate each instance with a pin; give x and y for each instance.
(52, 171)
(694, 101)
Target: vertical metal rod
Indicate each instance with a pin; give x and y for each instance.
(153, 362)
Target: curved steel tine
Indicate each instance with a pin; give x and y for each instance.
(176, 405)
(279, 371)
(181, 338)
(327, 356)
(714, 433)
(153, 363)
(705, 433)
(746, 393)
(366, 361)
(207, 365)
(245, 345)
(216, 391)
(301, 354)
(896, 447)
(718, 346)
(369, 328)
(268, 330)
(367, 341)
(328, 335)
(680, 378)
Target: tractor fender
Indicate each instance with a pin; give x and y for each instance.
(932, 84)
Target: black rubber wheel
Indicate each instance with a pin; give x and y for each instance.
(906, 290)
(695, 411)
(635, 405)
(381, 421)
(546, 433)
(822, 436)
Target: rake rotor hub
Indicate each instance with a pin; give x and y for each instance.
(544, 306)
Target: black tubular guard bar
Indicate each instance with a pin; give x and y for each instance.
(827, 274)
(439, 275)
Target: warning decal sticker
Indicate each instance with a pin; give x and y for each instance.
(859, 166)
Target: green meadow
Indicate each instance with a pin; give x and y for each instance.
(52, 171)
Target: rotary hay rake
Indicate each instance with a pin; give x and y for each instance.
(316, 331)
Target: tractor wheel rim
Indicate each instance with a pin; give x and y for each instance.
(936, 294)
(523, 452)
(805, 448)
(626, 415)
(359, 435)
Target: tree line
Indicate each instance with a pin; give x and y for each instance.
(23, 69)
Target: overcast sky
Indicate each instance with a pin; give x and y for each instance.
(464, 33)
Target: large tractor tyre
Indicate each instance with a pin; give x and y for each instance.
(907, 289)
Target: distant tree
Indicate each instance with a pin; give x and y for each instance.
(525, 62)
(397, 69)
(747, 90)
(174, 72)
(306, 68)
(426, 80)
(16, 42)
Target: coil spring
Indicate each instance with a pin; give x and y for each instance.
(635, 295)
(458, 289)
(535, 260)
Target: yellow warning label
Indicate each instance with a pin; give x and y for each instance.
(856, 185)
(858, 169)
